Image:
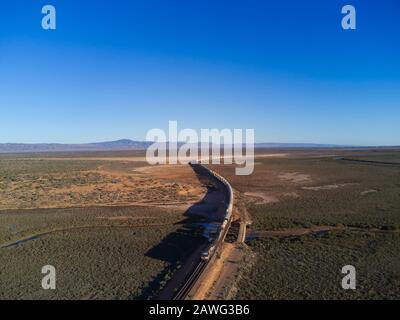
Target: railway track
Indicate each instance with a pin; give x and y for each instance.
(190, 282)
(185, 289)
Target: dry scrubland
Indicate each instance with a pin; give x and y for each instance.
(112, 229)
(359, 202)
(47, 183)
(116, 229)
(308, 267)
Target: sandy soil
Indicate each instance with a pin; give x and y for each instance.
(169, 185)
(213, 273)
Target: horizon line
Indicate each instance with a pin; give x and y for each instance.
(180, 142)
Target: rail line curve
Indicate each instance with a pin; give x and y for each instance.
(215, 245)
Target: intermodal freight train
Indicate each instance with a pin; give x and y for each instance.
(207, 254)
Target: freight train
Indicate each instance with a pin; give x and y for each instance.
(207, 254)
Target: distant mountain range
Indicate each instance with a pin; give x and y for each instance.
(123, 144)
(127, 144)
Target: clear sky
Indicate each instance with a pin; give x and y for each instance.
(115, 69)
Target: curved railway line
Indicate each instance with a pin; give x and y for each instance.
(210, 252)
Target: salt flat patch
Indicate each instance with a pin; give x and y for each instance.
(291, 195)
(329, 186)
(295, 177)
(271, 155)
(365, 192)
(263, 198)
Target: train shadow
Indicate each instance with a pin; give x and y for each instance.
(176, 247)
(209, 206)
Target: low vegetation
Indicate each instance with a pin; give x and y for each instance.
(309, 267)
(111, 230)
(359, 201)
(99, 253)
(117, 230)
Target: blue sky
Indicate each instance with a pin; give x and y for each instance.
(115, 69)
